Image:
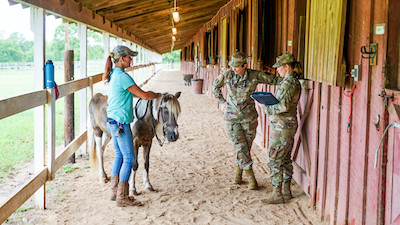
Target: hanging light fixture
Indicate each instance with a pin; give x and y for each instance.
(173, 38)
(174, 31)
(175, 13)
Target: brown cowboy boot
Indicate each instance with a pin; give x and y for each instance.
(286, 192)
(123, 198)
(252, 180)
(275, 197)
(238, 177)
(114, 185)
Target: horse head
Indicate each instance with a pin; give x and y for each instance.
(168, 110)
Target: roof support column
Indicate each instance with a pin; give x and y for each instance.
(106, 43)
(82, 33)
(38, 29)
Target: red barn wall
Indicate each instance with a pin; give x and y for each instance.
(343, 185)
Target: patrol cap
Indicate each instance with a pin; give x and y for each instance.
(238, 59)
(284, 59)
(121, 50)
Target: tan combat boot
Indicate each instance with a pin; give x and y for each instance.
(238, 177)
(123, 198)
(114, 186)
(286, 192)
(252, 180)
(275, 197)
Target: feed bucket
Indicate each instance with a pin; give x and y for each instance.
(197, 86)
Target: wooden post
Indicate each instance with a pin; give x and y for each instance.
(66, 35)
(83, 73)
(69, 123)
(37, 27)
(106, 43)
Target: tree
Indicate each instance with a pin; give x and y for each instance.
(10, 51)
(16, 49)
(56, 48)
(171, 57)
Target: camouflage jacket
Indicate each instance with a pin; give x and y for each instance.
(240, 106)
(283, 114)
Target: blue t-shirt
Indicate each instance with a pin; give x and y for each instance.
(119, 98)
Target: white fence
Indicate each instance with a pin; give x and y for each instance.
(17, 104)
(58, 65)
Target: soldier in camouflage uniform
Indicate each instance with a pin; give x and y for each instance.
(283, 121)
(241, 115)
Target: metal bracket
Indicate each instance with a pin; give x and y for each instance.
(370, 53)
(386, 98)
(354, 73)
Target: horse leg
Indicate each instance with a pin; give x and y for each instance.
(106, 138)
(99, 150)
(146, 156)
(135, 166)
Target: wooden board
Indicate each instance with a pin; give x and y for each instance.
(325, 38)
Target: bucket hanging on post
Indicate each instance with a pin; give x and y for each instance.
(197, 86)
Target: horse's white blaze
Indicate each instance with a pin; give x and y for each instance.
(176, 130)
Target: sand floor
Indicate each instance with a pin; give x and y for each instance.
(192, 178)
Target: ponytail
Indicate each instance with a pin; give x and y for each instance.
(107, 70)
(298, 70)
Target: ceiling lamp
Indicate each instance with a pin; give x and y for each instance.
(175, 13)
(173, 38)
(174, 31)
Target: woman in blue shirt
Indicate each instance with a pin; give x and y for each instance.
(119, 115)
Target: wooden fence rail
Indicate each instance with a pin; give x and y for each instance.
(31, 100)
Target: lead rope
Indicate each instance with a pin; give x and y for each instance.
(152, 124)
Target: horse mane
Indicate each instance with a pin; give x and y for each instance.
(174, 108)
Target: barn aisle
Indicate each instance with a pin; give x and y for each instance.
(192, 178)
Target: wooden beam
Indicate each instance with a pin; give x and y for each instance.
(20, 103)
(69, 150)
(74, 11)
(72, 86)
(22, 194)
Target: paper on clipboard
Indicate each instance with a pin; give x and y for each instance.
(265, 98)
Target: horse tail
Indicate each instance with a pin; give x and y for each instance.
(92, 153)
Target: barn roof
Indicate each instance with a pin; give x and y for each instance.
(151, 20)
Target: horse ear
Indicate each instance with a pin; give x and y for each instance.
(178, 94)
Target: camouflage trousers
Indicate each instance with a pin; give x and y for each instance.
(242, 135)
(279, 154)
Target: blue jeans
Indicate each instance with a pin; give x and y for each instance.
(123, 145)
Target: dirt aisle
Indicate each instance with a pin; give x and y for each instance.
(192, 178)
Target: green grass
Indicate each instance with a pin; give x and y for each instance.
(16, 132)
(68, 168)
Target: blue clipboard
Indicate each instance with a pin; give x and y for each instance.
(265, 98)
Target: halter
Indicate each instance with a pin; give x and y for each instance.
(152, 123)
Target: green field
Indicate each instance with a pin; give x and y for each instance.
(16, 132)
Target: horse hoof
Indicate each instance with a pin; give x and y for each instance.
(103, 180)
(134, 193)
(150, 189)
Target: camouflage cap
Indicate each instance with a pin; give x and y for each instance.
(238, 59)
(284, 59)
(121, 50)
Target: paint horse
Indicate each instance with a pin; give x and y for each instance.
(157, 117)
